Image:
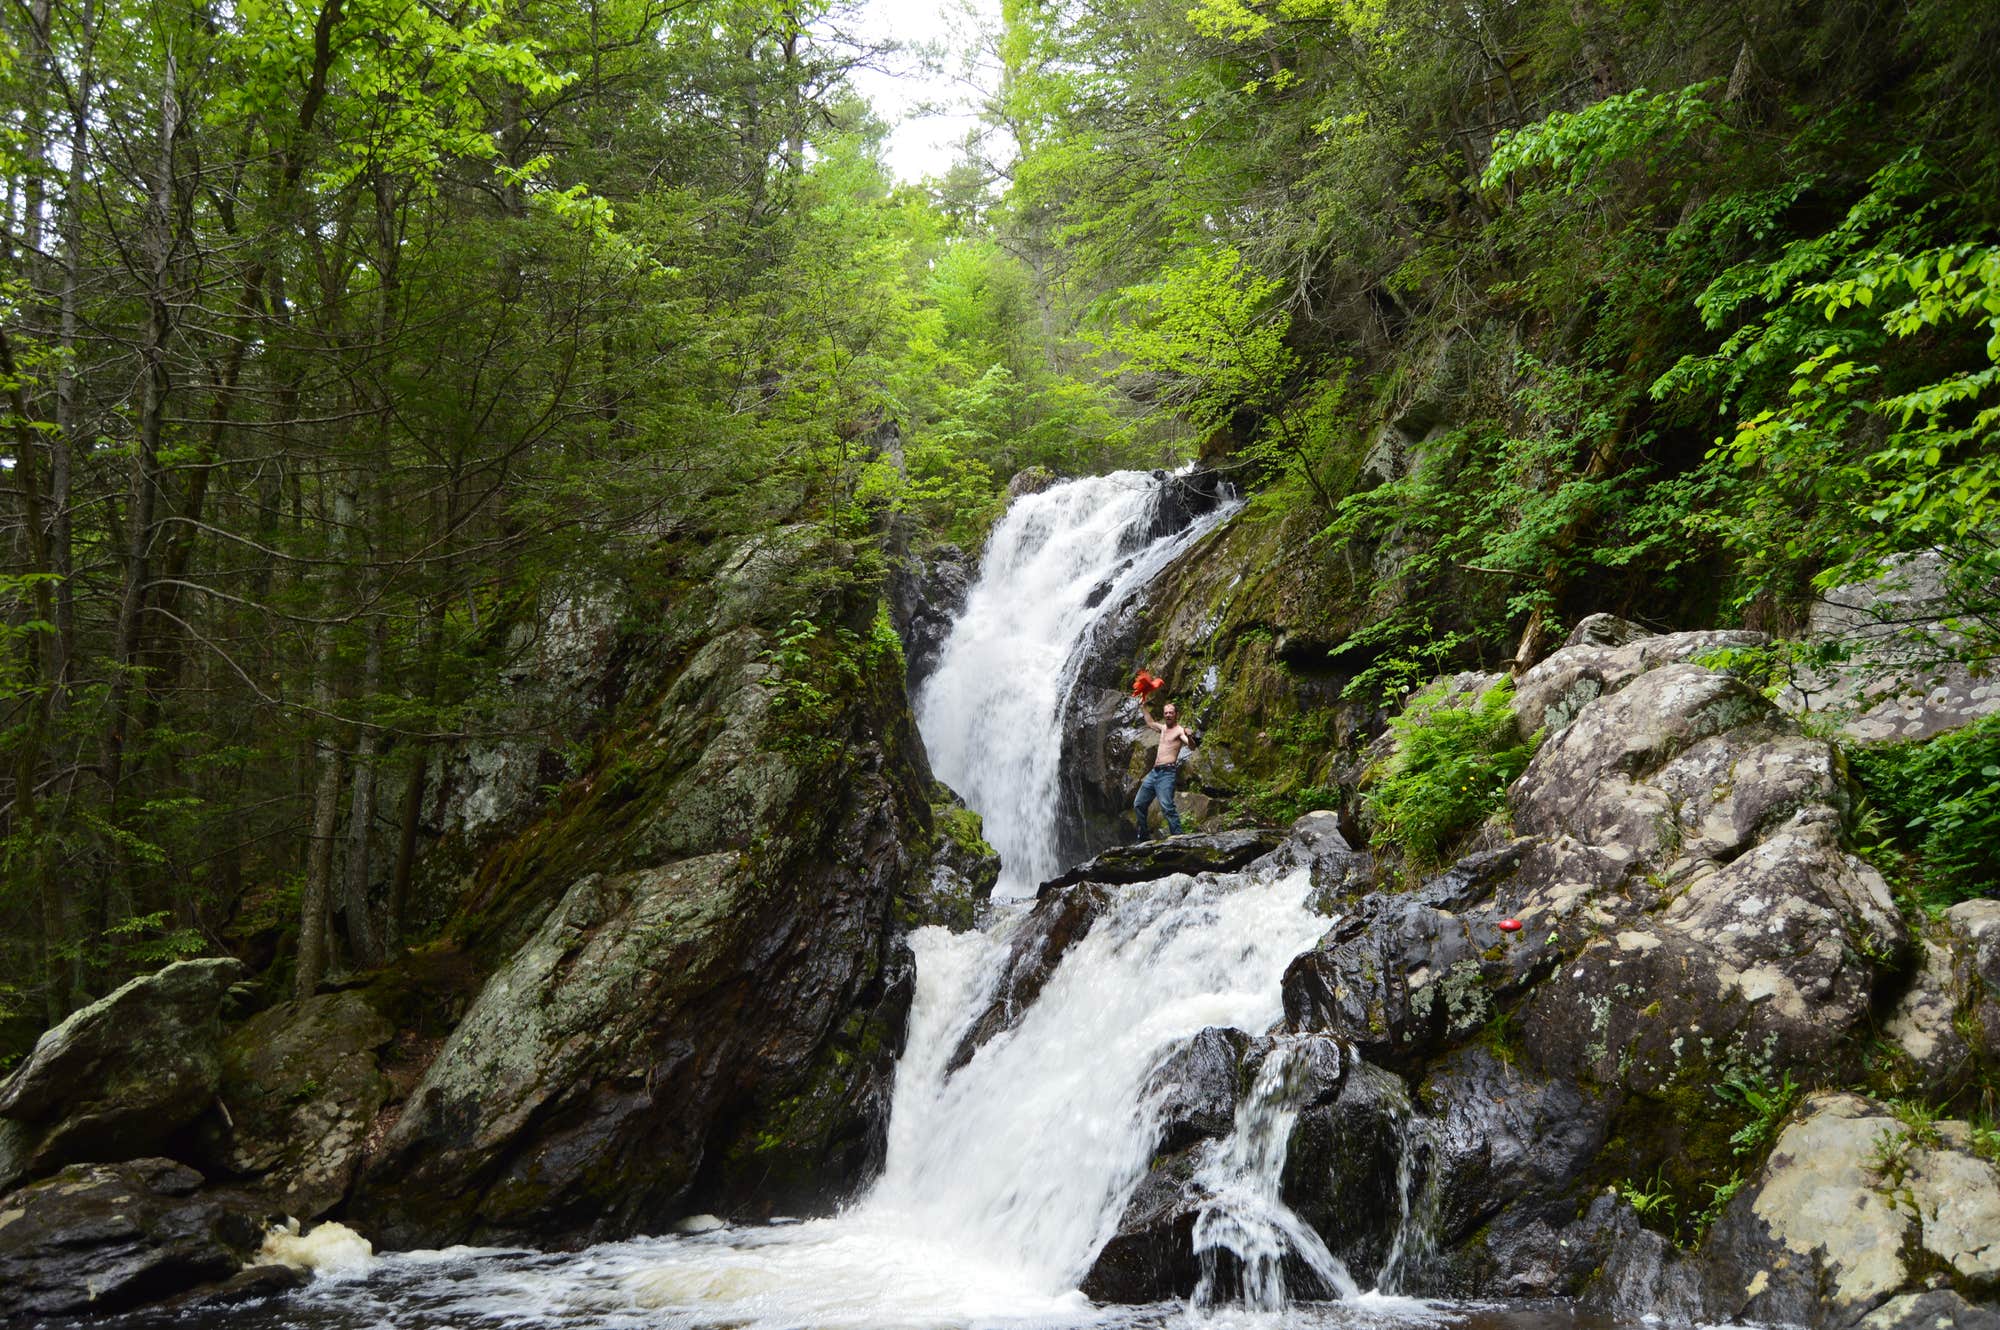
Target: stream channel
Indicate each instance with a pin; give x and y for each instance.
(1005, 1178)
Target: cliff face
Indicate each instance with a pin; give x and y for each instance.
(697, 989)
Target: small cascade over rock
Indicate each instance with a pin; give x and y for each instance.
(991, 711)
(1245, 1235)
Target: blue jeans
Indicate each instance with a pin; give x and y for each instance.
(1159, 784)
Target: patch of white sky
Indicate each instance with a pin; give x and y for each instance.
(930, 89)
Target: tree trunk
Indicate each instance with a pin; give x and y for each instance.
(363, 942)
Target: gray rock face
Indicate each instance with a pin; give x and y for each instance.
(120, 1076)
(1897, 680)
(302, 1085)
(925, 595)
(561, 659)
(1602, 655)
(695, 988)
(1846, 1218)
(101, 1238)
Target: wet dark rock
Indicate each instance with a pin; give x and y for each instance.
(1183, 498)
(100, 1238)
(301, 1086)
(1193, 853)
(1341, 875)
(1056, 924)
(1508, 1157)
(1198, 1087)
(120, 1077)
(253, 1283)
(926, 593)
(1643, 1274)
(1151, 1255)
(1407, 972)
(1340, 1172)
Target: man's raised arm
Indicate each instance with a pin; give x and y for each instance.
(1146, 710)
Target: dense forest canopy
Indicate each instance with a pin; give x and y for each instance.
(340, 339)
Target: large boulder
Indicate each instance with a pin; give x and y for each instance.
(301, 1086)
(101, 1238)
(1602, 655)
(696, 984)
(120, 1077)
(1687, 917)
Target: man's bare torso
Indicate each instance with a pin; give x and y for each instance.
(1173, 738)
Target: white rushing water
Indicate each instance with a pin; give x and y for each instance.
(990, 714)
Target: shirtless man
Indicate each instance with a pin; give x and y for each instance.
(1159, 782)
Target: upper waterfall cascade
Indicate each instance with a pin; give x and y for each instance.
(991, 714)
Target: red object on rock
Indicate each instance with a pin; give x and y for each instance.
(1146, 685)
(1510, 925)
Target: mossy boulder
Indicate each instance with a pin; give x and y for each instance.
(301, 1085)
(121, 1077)
(1857, 1218)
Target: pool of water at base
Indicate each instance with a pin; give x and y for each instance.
(633, 1286)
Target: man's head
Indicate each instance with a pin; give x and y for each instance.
(1170, 713)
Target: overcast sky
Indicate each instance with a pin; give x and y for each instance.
(923, 144)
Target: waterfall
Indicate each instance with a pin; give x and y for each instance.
(1414, 1242)
(991, 713)
(1004, 1179)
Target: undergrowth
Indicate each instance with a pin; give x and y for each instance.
(1937, 801)
(1450, 771)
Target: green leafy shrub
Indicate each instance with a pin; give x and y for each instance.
(1941, 800)
(1452, 765)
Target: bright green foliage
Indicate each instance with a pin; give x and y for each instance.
(1863, 450)
(1207, 330)
(1940, 799)
(1573, 146)
(1450, 771)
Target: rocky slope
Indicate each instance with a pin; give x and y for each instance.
(1692, 928)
